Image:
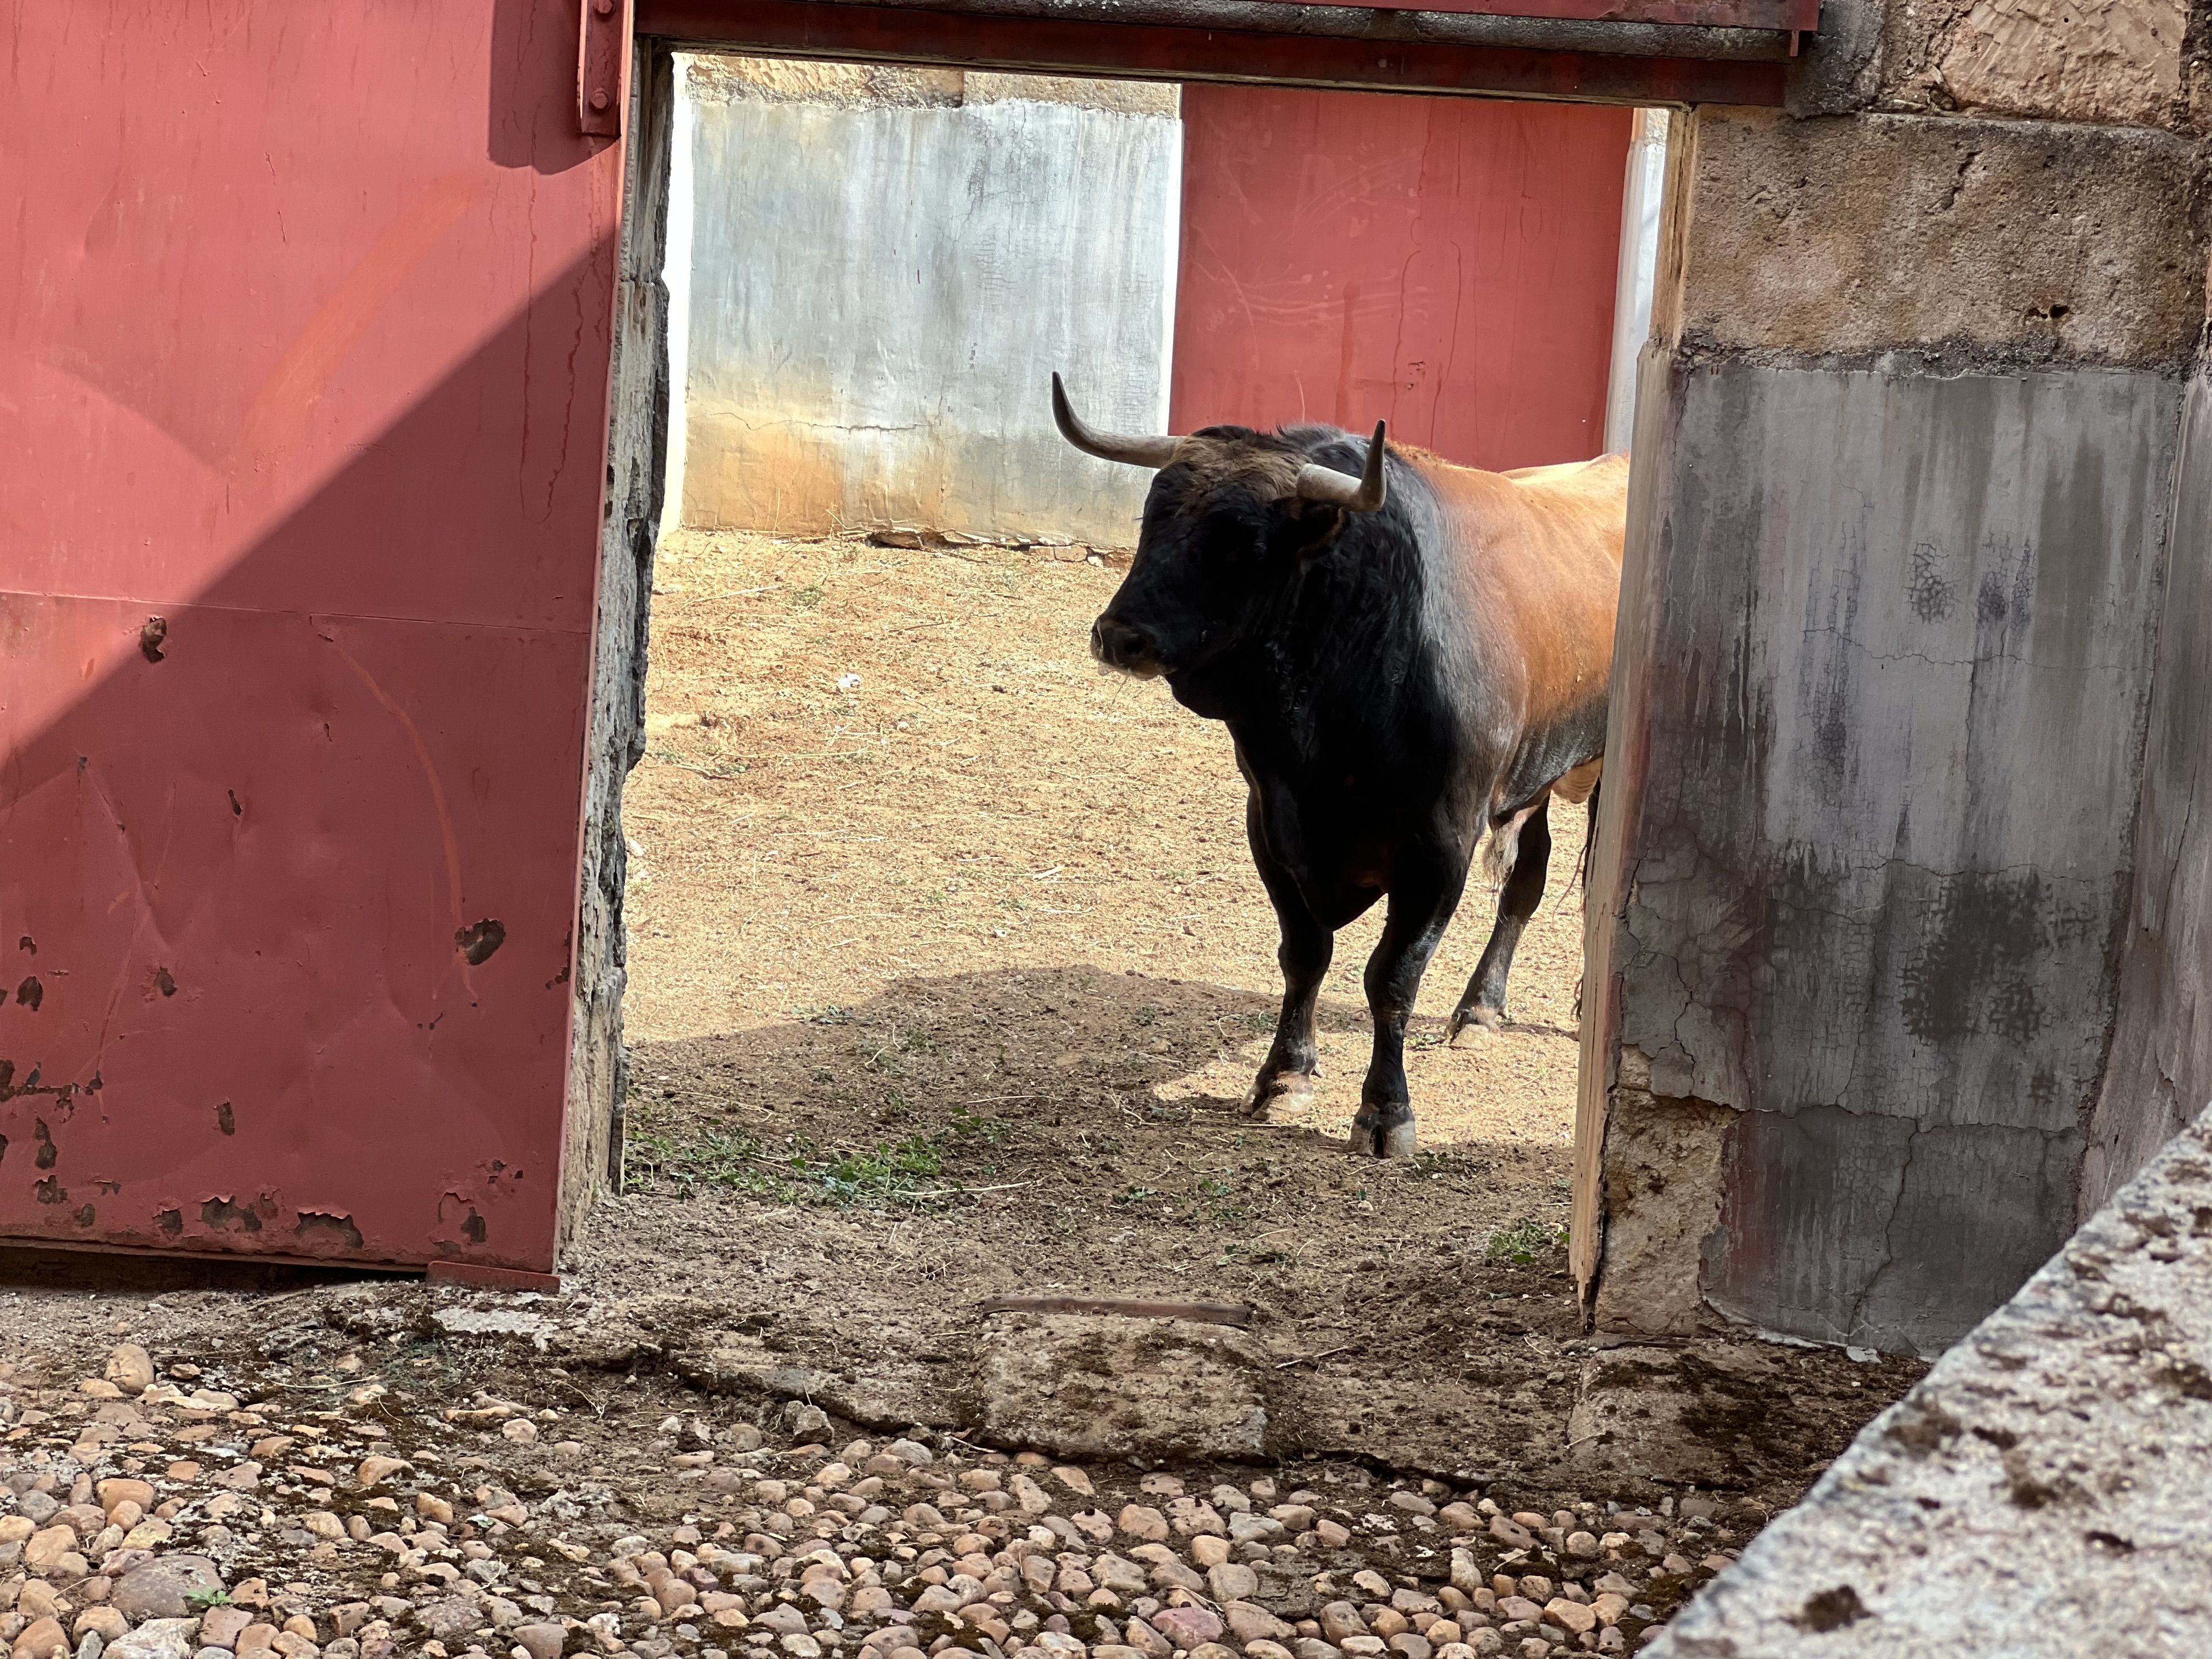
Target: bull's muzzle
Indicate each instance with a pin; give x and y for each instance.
(1121, 647)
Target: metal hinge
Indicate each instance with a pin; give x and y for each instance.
(602, 62)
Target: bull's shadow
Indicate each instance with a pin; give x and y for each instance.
(1073, 1062)
(1065, 1046)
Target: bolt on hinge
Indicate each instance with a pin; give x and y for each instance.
(602, 58)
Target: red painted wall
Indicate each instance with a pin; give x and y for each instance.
(304, 340)
(1446, 263)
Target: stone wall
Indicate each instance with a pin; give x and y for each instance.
(1908, 589)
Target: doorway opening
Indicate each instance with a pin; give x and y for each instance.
(949, 965)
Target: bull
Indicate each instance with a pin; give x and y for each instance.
(1408, 654)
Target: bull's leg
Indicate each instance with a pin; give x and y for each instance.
(1287, 1076)
(1422, 901)
(1482, 1004)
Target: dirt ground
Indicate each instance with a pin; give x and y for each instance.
(946, 944)
(887, 772)
(948, 971)
(931, 906)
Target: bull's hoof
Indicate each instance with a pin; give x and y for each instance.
(1473, 1025)
(1286, 1091)
(1370, 1140)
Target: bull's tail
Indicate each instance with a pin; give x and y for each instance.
(1588, 859)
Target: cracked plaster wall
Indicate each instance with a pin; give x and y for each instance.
(1900, 635)
(2161, 1058)
(885, 266)
(1891, 625)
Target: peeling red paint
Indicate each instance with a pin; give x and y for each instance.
(225, 1217)
(335, 1234)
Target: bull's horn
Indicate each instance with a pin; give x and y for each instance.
(1109, 445)
(1361, 495)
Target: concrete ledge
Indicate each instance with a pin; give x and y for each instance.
(2042, 1491)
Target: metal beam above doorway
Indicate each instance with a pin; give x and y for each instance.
(1625, 52)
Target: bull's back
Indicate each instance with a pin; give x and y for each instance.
(1539, 558)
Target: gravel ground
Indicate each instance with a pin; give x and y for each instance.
(327, 1503)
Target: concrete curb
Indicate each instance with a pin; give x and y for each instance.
(2042, 1491)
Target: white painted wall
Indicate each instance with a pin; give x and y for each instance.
(676, 275)
(879, 272)
(1639, 271)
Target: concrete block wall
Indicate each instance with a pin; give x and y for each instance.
(1895, 986)
(873, 272)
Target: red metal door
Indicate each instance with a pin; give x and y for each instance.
(1446, 264)
(304, 344)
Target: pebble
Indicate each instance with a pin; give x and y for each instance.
(1342, 1620)
(1209, 1550)
(1574, 1617)
(220, 1626)
(1189, 1626)
(1511, 1533)
(1255, 1625)
(129, 1369)
(157, 1638)
(1138, 1522)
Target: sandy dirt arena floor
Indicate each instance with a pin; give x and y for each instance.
(877, 772)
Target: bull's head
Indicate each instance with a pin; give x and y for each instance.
(1233, 515)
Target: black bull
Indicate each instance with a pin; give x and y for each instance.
(1406, 653)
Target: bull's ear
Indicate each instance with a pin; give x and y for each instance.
(1314, 529)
